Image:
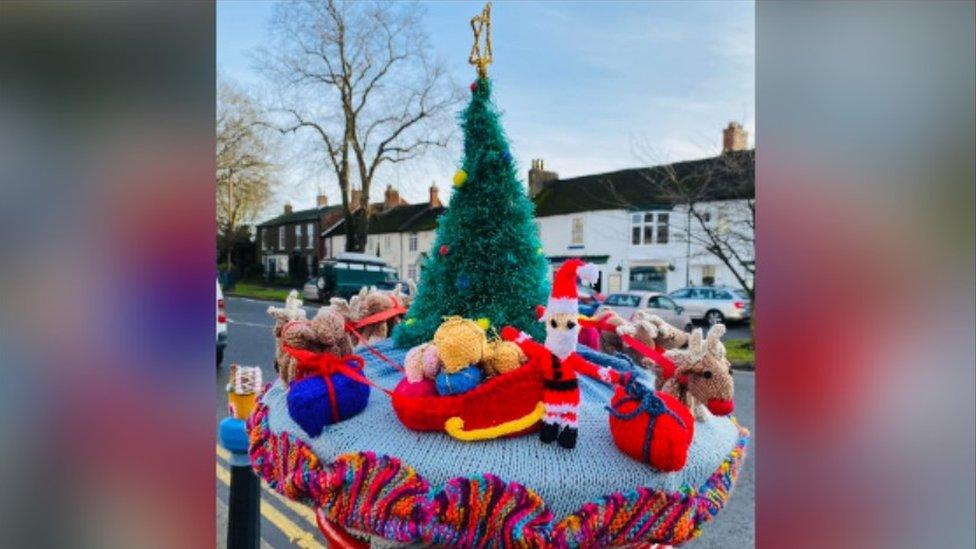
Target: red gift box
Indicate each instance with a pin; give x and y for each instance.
(651, 427)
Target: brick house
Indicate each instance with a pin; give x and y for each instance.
(399, 233)
(290, 244)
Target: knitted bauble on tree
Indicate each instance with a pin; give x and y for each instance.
(485, 262)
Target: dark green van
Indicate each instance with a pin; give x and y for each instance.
(345, 274)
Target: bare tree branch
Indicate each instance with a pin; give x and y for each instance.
(361, 77)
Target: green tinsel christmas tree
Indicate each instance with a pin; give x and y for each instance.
(486, 262)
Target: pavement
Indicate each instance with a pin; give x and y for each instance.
(287, 524)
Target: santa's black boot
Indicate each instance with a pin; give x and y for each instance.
(548, 432)
(567, 437)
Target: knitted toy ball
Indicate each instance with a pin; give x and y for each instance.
(651, 427)
(459, 382)
(460, 342)
(422, 388)
(503, 357)
(317, 401)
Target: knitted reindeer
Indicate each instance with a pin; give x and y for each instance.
(374, 312)
(645, 327)
(324, 333)
(701, 376)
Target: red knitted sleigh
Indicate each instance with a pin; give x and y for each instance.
(505, 405)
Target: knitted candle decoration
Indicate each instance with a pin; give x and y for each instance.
(653, 428)
(459, 382)
(460, 343)
(242, 389)
(332, 389)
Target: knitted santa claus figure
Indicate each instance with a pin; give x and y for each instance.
(558, 358)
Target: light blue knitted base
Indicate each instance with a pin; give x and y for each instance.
(566, 479)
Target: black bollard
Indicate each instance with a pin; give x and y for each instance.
(244, 508)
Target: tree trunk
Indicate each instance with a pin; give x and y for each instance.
(356, 230)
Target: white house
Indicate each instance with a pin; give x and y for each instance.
(630, 223)
(634, 226)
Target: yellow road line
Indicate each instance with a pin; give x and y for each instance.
(295, 534)
(299, 509)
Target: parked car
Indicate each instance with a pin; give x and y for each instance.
(714, 304)
(310, 291)
(221, 325)
(345, 274)
(589, 299)
(627, 303)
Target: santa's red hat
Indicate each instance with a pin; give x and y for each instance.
(564, 298)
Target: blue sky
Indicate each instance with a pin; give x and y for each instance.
(588, 86)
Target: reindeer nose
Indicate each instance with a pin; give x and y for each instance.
(720, 407)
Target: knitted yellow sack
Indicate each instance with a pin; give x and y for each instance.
(503, 357)
(460, 343)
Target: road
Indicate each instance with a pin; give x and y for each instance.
(287, 524)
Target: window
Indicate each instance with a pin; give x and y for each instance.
(722, 225)
(281, 237)
(412, 243)
(412, 272)
(661, 302)
(708, 275)
(681, 293)
(701, 293)
(310, 235)
(264, 238)
(652, 279)
(577, 230)
(649, 228)
(662, 228)
(298, 236)
(623, 300)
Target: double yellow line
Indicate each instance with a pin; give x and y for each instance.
(296, 534)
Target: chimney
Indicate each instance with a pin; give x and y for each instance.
(538, 177)
(734, 138)
(391, 198)
(321, 201)
(435, 199)
(355, 195)
(287, 208)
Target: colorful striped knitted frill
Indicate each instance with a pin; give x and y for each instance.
(384, 497)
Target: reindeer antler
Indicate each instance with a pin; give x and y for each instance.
(291, 311)
(695, 353)
(713, 343)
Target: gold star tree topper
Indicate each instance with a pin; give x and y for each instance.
(481, 25)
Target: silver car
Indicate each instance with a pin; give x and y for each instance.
(714, 304)
(627, 303)
(312, 290)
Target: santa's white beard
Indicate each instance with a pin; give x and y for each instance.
(562, 342)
